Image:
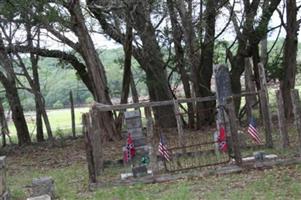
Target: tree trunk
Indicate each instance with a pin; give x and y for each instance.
(12, 96)
(17, 114)
(289, 56)
(151, 60)
(193, 54)
(253, 31)
(179, 51)
(237, 68)
(39, 122)
(148, 55)
(206, 64)
(95, 67)
(127, 65)
(35, 86)
(256, 61)
(135, 96)
(3, 124)
(126, 81)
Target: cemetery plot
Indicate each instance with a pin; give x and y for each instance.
(150, 149)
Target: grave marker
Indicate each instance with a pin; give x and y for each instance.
(43, 186)
(228, 120)
(142, 155)
(223, 84)
(134, 127)
(223, 90)
(264, 102)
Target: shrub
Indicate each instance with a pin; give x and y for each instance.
(58, 105)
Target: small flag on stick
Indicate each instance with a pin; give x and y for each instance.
(164, 152)
(130, 149)
(252, 130)
(222, 143)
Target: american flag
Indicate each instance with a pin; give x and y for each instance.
(252, 130)
(164, 152)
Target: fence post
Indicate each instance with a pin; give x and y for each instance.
(86, 120)
(233, 127)
(264, 102)
(179, 124)
(94, 139)
(151, 139)
(250, 87)
(72, 115)
(281, 120)
(297, 113)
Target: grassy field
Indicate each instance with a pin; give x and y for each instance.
(60, 121)
(67, 165)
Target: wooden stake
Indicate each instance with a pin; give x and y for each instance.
(179, 124)
(151, 139)
(264, 102)
(233, 127)
(250, 100)
(281, 120)
(72, 115)
(86, 120)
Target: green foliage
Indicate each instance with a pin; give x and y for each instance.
(220, 51)
(275, 59)
(89, 100)
(58, 104)
(58, 78)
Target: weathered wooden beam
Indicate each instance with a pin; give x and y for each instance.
(151, 139)
(104, 107)
(181, 138)
(250, 87)
(264, 102)
(281, 120)
(233, 127)
(86, 120)
(96, 136)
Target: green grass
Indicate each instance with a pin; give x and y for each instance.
(71, 183)
(60, 122)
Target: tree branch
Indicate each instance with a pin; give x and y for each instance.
(77, 65)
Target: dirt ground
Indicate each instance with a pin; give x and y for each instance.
(65, 161)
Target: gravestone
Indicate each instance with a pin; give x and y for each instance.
(42, 186)
(223, 90)
(259, 155)
(223, 84)
(139, 171)
(227, 119)
(134, 127)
